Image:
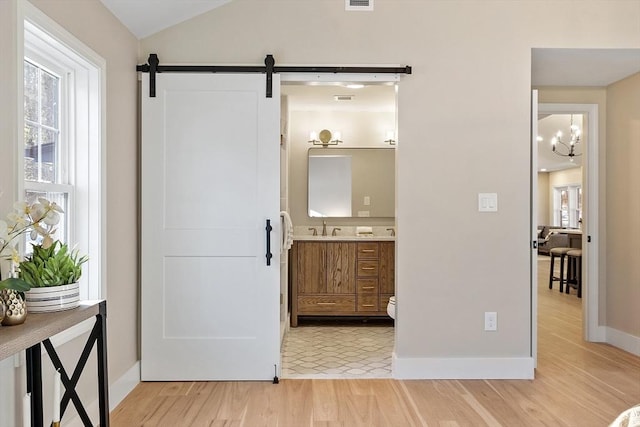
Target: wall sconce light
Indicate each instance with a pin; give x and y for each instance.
(325, 138)
(390, 137)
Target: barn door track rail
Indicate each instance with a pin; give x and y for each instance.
(269, 68)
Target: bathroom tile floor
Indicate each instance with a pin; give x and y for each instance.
(338, 349)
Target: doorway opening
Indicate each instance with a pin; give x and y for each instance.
(336, 291)
(567, 204)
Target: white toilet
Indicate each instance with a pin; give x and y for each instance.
(391, 307)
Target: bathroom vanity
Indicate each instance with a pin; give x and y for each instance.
(341, 277)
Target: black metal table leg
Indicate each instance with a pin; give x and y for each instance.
(34, 383)
(103, 380)
(98, 336)
(69, 384)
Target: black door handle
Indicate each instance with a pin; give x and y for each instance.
(269, 228)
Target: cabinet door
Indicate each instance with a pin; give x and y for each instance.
(311, 277)
(341, 260)
(387, 268)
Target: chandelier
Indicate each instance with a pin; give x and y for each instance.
(564, 149)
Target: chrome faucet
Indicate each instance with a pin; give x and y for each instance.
(333, 233)
(392, 230)
(315, 232)
(324, 228)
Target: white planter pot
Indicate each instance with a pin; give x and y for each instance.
(54, 298)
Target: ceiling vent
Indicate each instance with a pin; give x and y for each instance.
(343, 97)
(362, 5)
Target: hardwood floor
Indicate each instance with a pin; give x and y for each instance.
(577, 384)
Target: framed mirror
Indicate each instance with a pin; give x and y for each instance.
(351, 182)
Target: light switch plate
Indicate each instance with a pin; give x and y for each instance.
(487, 202)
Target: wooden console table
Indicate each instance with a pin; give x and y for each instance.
(36, 330)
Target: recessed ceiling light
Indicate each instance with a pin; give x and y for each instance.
(543, 170)
(355, 86)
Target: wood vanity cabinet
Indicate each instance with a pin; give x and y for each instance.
(340, 278)
(387, 273)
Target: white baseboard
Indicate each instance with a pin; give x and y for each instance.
(124, 385)
(117, 392)
(623, 340)
(463, 368)
(597, 334)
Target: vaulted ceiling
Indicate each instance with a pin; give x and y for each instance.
(146, 17)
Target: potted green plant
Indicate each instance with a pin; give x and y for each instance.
(55, 265)
(52, 273)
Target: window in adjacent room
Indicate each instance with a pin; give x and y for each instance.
(567, 201)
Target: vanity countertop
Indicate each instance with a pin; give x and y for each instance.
(343, 238)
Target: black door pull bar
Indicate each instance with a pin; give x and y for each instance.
(269, 228)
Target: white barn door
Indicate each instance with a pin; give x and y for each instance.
(210, 181)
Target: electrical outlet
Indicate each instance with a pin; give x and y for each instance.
(490, 321)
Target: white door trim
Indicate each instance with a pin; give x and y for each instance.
(591, 301)
(534, 227)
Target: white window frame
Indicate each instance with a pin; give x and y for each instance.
(575, 214)
(48, 43)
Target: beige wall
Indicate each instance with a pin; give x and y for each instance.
(90, 22)
(8, 105)
(543, 199)
(469, 93)
(12, 388)
(623, 203)
(565, 177)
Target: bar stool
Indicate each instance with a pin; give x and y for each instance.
(574, 258)
(562, 253)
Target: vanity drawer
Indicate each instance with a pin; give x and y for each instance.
(324, 304)
(367, 268)
(368, 250)
(367, 286)
(367, 303)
